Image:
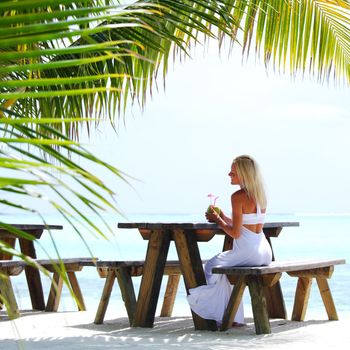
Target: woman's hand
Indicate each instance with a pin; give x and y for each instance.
(212, 215)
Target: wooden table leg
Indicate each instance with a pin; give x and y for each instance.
(228, 243)
(192, 270)
(153, 271)
(274, 297)
(33, 276)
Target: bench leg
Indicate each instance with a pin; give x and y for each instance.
(127, 290)
(259, 305)
(233, 304)
(7, 297)
(301, 298)
(169, 296)
(275, 301)
(77, 291)
(55, 293)
(107, 290)
(327, 298)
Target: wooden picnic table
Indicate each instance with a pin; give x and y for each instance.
(186, 237)
(27, 248)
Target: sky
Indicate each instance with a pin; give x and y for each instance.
(214, 108)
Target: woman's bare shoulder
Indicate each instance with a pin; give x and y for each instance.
(239, 195)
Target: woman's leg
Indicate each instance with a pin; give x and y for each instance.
(223, 259)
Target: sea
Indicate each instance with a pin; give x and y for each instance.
(317, 236)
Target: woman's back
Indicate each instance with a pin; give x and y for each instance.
(253, 217)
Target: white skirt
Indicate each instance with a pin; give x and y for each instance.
(210, 301)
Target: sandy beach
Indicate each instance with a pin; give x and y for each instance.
(76, 330)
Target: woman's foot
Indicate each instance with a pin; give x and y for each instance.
(237, 324)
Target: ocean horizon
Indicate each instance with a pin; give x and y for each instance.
(318, 236)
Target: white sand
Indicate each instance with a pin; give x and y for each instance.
(76, 330)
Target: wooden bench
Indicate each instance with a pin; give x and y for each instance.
(70, 266)
(258, 278)
(124, 271)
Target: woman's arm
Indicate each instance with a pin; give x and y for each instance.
(230, 227)
(225, 218)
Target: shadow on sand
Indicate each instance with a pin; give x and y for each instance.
(174, 332)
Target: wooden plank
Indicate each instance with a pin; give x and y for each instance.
(127, 290)
(172, 267)
(196, 226)
(301, 298)
(322, 272)
(279, 266)
(77, 291)
(14, 270)
(12, 263)
(327, 298)
(7, 297)
(66, 267)
(156, 255)
(74, 264)
(33, 276)
(55, 293)
(32, 227)
(169, 296)
(259, 306)
(106, 293)
(233, 304)
(172, 270)
(192, 270)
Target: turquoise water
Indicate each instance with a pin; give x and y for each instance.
(318, 236)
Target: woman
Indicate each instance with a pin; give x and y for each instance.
(250, 247)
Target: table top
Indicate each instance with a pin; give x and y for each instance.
(204, 231)
(34, 229)
(192, 225)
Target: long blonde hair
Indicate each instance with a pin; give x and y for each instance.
(251, 180)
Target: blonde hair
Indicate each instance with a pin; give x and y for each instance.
(251, 180)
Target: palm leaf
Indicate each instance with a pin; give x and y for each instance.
(124, 47)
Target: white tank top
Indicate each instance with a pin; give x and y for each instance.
(254, 218)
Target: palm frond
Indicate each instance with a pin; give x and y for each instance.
(74, 189)
(301, 36)
(122, 47)
(71, 57)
